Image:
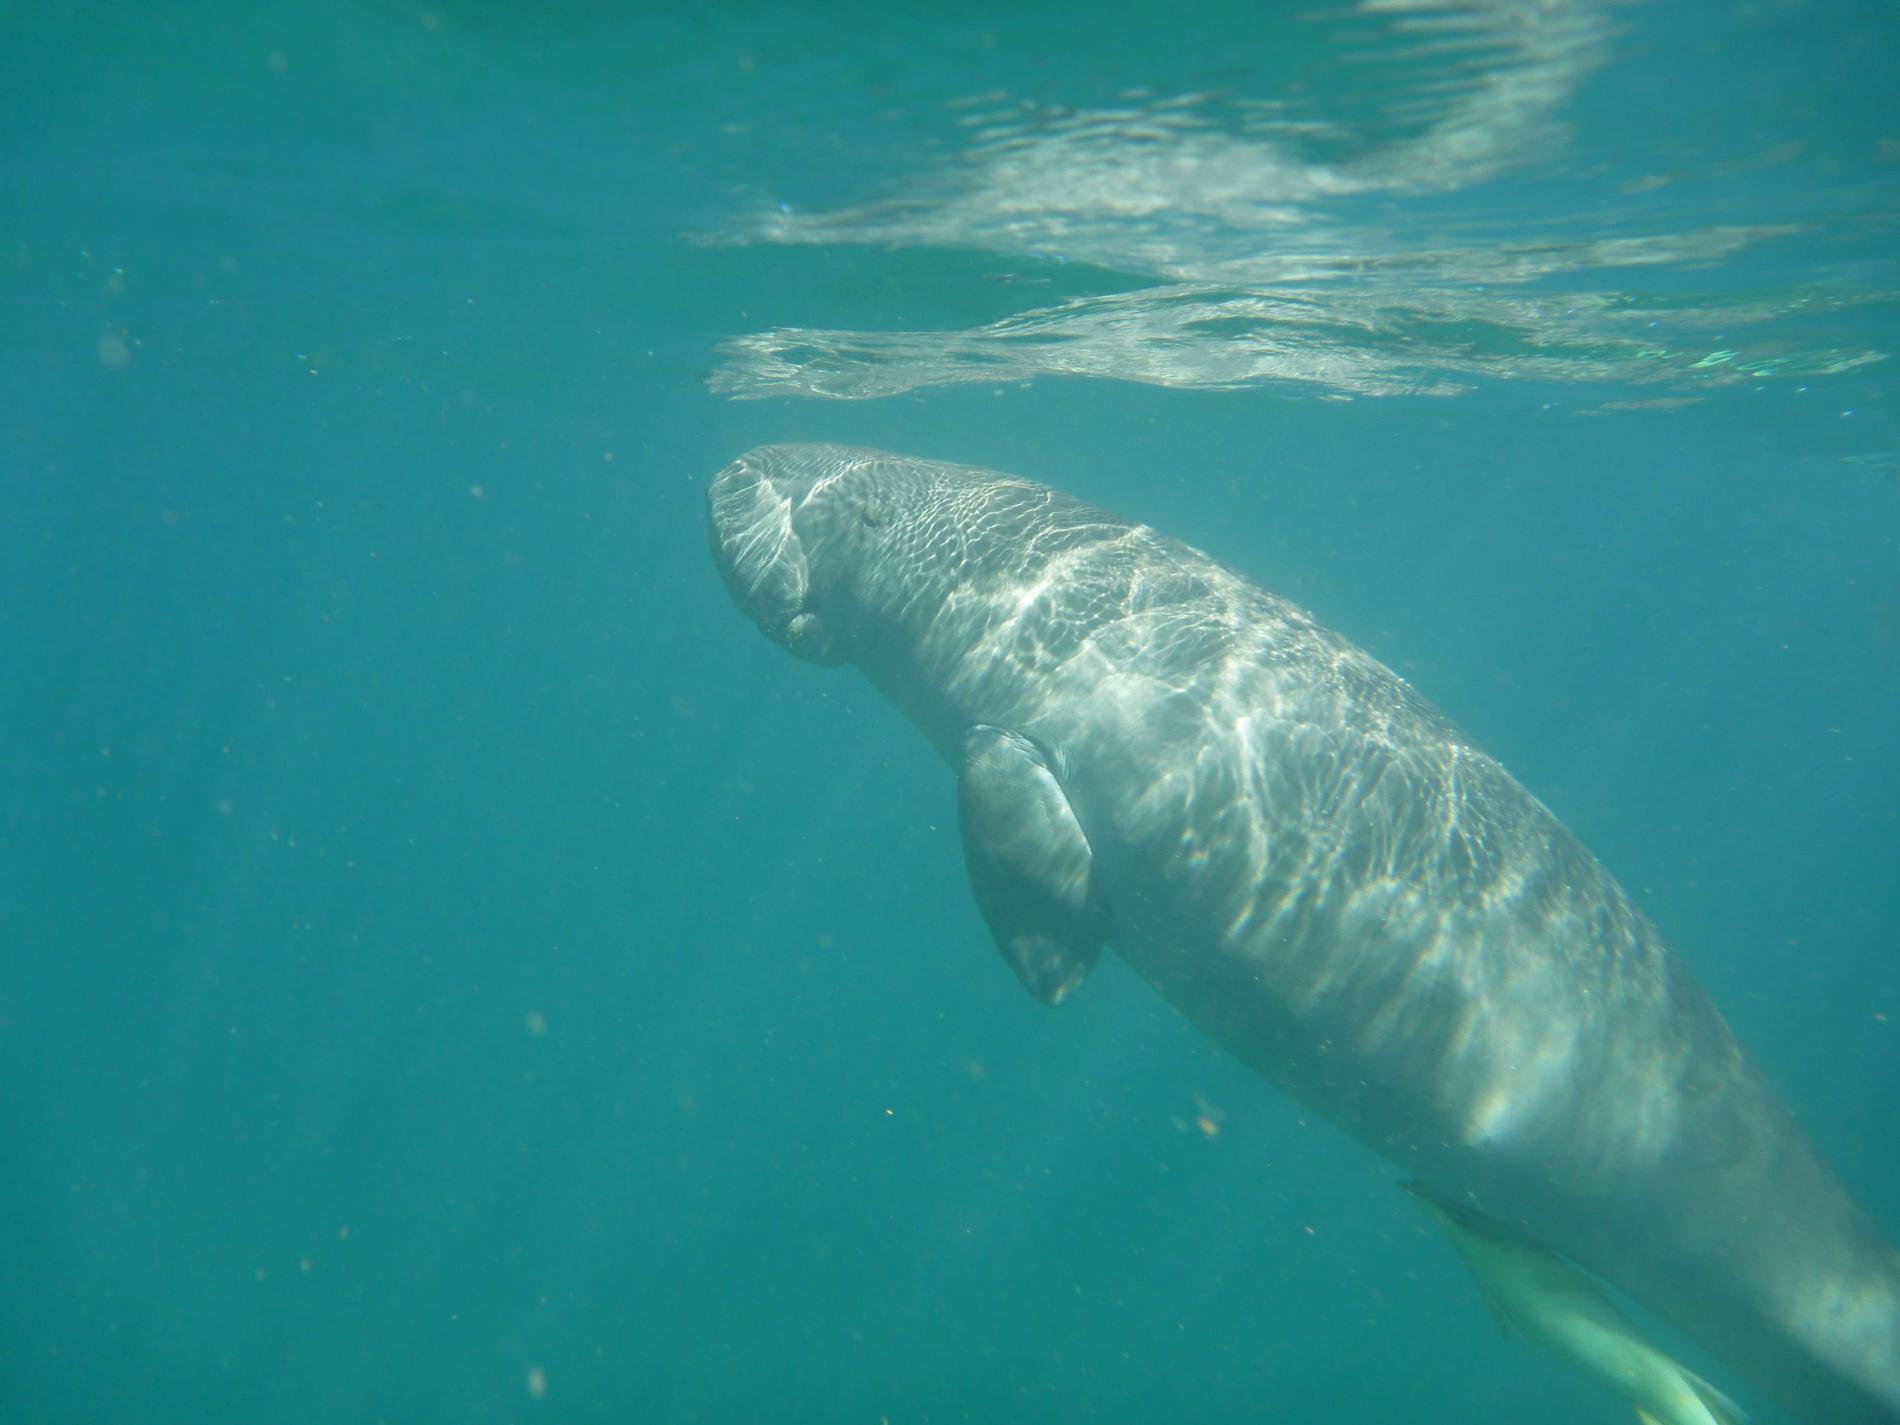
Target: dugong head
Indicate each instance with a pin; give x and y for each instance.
(753, 509)
(829, 547)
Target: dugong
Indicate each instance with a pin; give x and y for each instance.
(1321, 872)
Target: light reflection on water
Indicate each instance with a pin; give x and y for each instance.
(1303, 236)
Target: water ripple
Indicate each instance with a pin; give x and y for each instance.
(1284, 239)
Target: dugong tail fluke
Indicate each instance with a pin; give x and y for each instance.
(1321, 872)
(1554, 1305)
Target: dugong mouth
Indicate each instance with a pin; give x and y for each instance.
(749, 507)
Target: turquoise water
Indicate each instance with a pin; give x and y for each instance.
(451, 968)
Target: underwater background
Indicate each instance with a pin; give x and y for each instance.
(453, 969)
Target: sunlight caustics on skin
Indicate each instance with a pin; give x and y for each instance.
(1316, 868)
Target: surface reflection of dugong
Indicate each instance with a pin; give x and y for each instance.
(1312, 864)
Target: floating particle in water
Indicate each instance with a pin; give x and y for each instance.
(1207, 1117)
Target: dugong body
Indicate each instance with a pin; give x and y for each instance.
(1315, 867)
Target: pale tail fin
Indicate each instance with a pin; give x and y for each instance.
(1722, 1410)
(1725, 1411)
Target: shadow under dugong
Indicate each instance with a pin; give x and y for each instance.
(1311, 863)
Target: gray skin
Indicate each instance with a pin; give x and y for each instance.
(1312, 864)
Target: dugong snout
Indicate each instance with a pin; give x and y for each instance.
(749, 507)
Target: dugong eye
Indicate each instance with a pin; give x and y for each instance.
(873, 514)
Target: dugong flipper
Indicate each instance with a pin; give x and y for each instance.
(1029, 862)
(1315, 867)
